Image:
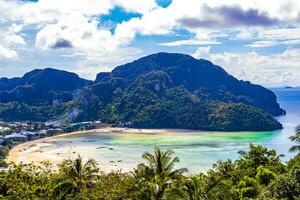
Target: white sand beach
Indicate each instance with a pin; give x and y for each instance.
(48, 150)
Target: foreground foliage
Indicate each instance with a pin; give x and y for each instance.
(296, 138)
(257, 174)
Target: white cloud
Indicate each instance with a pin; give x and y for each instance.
(277, 36)
(15, 39)
(65, 23)
(198, 17)
(267, 43)
(189, 42)
(51, 10)
(142, 7)
(263, 69)
(281, 34)
(12, 37)
(6, 53)
(7, 10)
(202, 52)
(204, 17)
(81, 33)
(247, 33)
(10, 40)
(94, 62)
(75, 28)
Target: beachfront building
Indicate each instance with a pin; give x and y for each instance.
(29, 133)
(15, 136)
(53, 124)
(4, 129)
(54, 130)
(42, 132)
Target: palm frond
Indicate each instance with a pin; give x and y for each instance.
(295, 148)
(62, 189)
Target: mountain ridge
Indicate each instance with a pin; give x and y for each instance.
(133, 70)
(37, 85)
(144, 94)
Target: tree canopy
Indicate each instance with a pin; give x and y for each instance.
(257, 174)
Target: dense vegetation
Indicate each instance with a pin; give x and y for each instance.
(177, 108)
(296, 138)
(201, 77)
(158, 91)
(41, 87)
(257, 174)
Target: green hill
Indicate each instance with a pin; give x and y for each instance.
(162, 90)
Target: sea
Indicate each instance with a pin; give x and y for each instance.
(196, 150)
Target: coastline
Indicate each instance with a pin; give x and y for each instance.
(19, 153)
(13, 155)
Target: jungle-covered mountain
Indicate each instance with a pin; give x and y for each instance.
(41, 87)
(163, 90)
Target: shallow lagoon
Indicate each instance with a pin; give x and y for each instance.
(197, 150)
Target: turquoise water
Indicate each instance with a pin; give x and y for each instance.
(197, 150)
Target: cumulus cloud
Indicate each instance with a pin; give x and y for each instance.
(7, 9)
(51, 10)
(78, 32)
(205, 16)
(62, 43)
(9, 40)
(193, 15)
(230, 17)
(75, 24)
(6, 53)
(10, 36)
(272, 69)
(75, 29)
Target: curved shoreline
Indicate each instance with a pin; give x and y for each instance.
(16, 152)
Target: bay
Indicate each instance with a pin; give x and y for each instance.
(197, 150)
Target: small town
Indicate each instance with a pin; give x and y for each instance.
(23, 131)
(14, 133)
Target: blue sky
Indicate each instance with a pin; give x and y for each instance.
(253, 40)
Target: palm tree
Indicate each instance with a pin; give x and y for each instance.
(162, 163)
(296, 138)
(75, 175)
(224, 168)
(191, 189)
(159, 174)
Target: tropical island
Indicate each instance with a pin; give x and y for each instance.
(163, 90)
(149, 100)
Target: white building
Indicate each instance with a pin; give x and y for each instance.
(15, 136)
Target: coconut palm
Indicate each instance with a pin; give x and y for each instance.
(224, 168)
(191, 189)
(162, 163)
(296, 138)
(201, 187)
(158, 174)
(75, 175)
